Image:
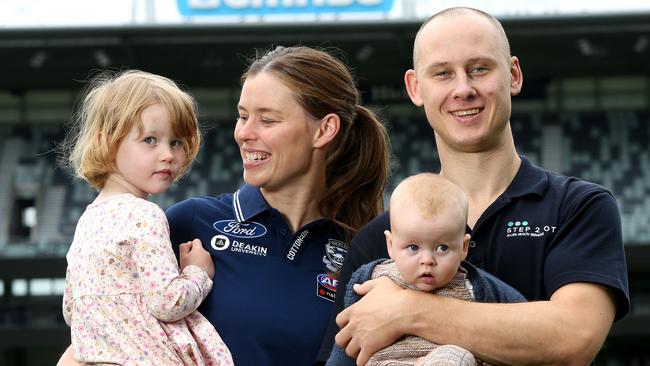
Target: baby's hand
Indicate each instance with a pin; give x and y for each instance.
(192, 252)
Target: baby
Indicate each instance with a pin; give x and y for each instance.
(427, 246)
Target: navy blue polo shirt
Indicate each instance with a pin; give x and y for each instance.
(545, 231)
(273, 291)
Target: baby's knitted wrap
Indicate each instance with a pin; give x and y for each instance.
(409, 348)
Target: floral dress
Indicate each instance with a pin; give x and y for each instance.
(124, 299)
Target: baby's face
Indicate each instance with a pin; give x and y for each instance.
(427, 253)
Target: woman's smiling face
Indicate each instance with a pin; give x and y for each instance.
(274, 133)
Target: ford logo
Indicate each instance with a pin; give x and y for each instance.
(248, 229)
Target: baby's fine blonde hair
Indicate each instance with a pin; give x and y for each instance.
(111, 105)
(429, 195)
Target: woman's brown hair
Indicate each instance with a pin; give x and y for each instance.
(358, 162)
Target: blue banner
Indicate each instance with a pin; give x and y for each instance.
(267, 7)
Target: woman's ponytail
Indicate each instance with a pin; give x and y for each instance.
(357, 171)
(357, 161)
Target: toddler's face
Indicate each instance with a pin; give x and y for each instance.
(428, 252)
(148, 162)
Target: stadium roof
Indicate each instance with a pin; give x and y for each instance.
(214, 56)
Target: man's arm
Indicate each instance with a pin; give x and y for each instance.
(569, 329)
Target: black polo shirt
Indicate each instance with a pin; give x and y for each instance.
(545, 231)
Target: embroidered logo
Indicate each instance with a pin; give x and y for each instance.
(326, 286)
(295, 247)
(523, 228)
(220, 242)
(335, 251)
(246, 248)
(242, 230)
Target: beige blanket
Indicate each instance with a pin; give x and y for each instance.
(409, 348)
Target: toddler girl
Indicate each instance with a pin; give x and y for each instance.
(125, 301)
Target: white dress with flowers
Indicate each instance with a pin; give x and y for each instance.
(124, 299)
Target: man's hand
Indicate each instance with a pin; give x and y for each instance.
(373, 322)
(192, 252)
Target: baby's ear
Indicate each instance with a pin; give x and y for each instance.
(466, 245)
(389, 243)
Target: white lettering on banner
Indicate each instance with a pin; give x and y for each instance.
(203, 4)
(258, 4)
(296, 245)
(238, 4)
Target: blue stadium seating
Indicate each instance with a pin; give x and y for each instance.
(609, 148)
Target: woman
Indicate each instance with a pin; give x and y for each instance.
(315, 165)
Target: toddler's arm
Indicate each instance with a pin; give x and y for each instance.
(192, 253)
(169, 296)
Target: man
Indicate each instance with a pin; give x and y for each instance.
(555, 239)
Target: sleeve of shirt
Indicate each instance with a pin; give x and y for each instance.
(168, 295)
(67, 299)
(369, 244)
(588, 247)
(488, 288)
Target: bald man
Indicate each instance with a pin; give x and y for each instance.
(555, 239)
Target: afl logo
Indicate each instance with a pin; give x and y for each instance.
(243, 230)
(326, 286)
(220, 242)
(327, 281)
